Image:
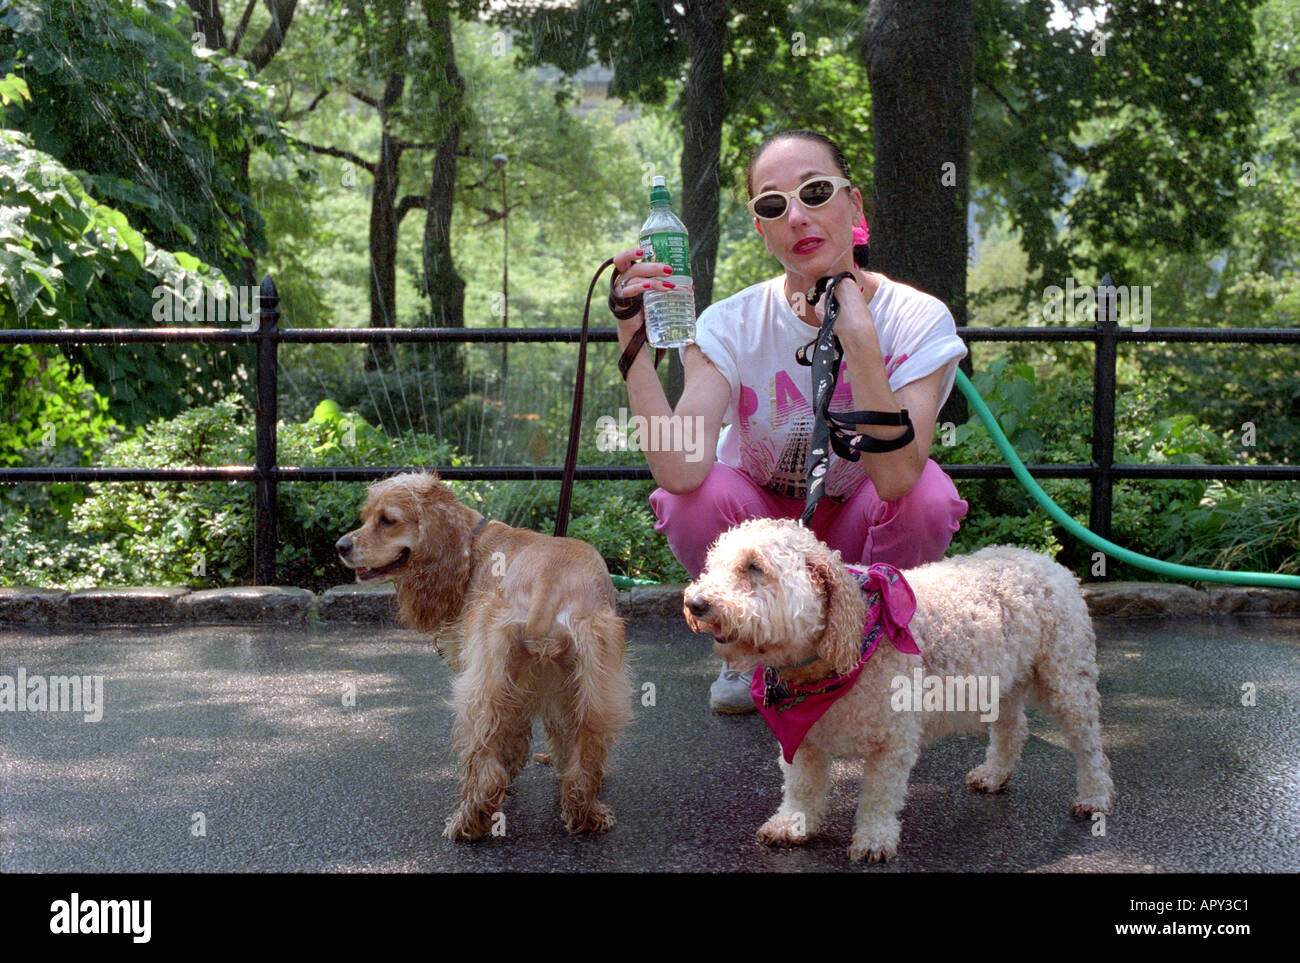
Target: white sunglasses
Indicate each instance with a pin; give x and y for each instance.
(813, 192)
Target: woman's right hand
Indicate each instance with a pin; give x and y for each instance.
(637, 277)
(705, 392)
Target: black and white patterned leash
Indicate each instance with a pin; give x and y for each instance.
(836, 431)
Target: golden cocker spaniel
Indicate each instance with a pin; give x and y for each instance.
(528, 624)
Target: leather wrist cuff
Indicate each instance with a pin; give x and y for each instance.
(633, 349)
(622, 308)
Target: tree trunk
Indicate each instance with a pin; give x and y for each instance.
(443, 285)
(383, 236)
(209, 21)
(703, 108)
(920, 57)
(383, 225)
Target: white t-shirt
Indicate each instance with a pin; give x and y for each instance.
(751, 338)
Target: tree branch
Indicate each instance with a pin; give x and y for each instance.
(409, 203)
(243, 25)
(1067, 157)
(281, 16)
(336, 152)
(493, 215)
(309, 108)
(410, 145)
(209, 22)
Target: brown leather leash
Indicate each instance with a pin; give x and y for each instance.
(622, 308)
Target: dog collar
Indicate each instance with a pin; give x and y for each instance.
(791, 710)
(479, 527)
(797, 665)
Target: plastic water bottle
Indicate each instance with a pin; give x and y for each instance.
(669, 315)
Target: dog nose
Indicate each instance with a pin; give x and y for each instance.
(698, 605)
(344, 546)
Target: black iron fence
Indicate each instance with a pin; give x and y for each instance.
(266, 473)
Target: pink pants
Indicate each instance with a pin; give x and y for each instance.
(910, 531)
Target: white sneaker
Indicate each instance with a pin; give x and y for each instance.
(730, 691)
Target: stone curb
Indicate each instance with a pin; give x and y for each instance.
(252, 603)
(1122, 600)
(145, 605)
(363, 604)
(376, 604)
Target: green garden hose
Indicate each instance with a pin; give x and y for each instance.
(1269, 579)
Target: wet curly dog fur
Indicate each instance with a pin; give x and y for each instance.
(528, 624)
(772, 593)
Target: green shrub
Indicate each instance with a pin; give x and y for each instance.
(201, 535)
(1250, 526)
(614, 516)
(50, 417)
(1050, 421)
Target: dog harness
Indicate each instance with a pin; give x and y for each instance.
(791, 710)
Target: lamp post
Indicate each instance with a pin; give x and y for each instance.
(499, 160)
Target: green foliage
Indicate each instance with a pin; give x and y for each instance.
(1133, 132)
(1252, 526)
(132, 146)
(612, 516)
(157, 122)
(621, 527)
(1050, 421)
(49, 418)
(314, 515)
(1008, 391)
(201, 535)
(59, 247)
(1252, 280)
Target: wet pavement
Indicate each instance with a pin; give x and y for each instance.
(247, 726)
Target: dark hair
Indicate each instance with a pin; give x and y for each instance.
(861, 251)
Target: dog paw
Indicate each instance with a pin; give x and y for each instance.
(461, 826)
(784, 830)
(595, 818)
(986, 779)
(875, 840)
(873, 851)
(1086, 807)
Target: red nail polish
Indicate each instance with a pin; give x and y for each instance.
(669, 284)
(668, 269)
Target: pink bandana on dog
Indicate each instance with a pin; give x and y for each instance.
(791, 710)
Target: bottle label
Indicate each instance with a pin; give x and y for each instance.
(670, 247)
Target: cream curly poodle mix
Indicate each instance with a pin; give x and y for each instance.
(774, 595)
(528, 624)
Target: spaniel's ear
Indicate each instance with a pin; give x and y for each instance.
(444, 529)
(433, 590)
(841, 642)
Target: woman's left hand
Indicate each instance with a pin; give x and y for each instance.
(854, 318)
